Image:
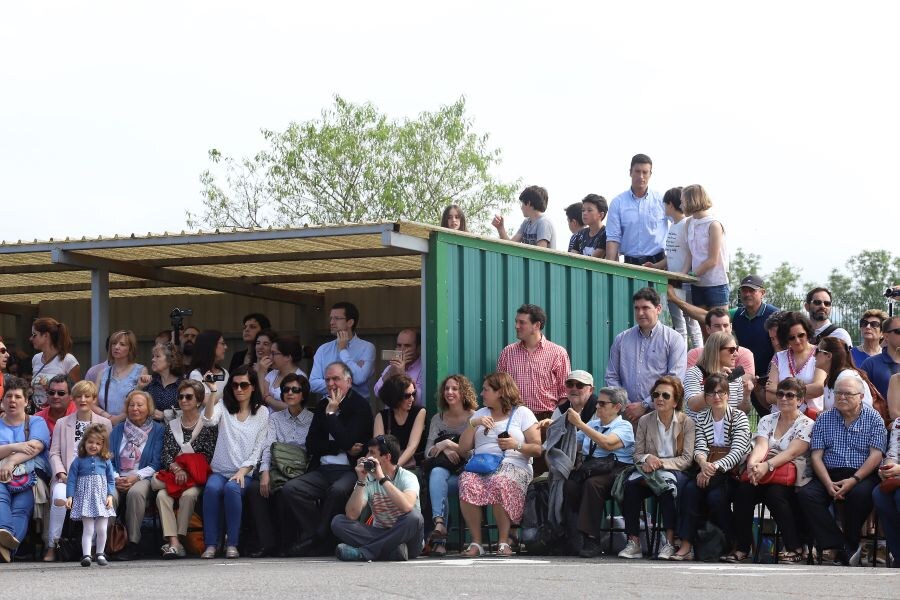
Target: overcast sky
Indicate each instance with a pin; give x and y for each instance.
(785, 111)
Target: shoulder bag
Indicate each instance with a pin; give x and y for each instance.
(488, 464)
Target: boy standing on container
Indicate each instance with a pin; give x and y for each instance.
(536, 230)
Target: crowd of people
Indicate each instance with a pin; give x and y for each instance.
(768, 406)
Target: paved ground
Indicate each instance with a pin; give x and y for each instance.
(497, 579)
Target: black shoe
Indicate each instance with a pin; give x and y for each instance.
(400, 553)
(130, 552)
(841, 558)
(261, 553)
(85, 561)
(591, 548)
(310, 547)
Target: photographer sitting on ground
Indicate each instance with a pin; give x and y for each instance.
(392, 492)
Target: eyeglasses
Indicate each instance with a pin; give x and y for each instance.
(337, 318)
(603, 402)
(818, 302)
(897, 330)
(185, 396)
(3, 351)
(717, 393)
(243, 385)
(664, 395)
(60, 393)
(409, 395)
(846, 394)
(799, 336)
(822, 351)
(291, 390)
(576, 384)
(277, 353)
(731, 349)
(789, 395)
(873, 324)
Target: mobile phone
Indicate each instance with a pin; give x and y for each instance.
(736, 373)
(504, 434)
(389, 355)
(885, 467)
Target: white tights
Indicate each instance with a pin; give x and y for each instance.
(89, 524)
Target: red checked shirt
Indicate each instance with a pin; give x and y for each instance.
(540, 375)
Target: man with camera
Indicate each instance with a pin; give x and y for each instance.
(392, 493)
(406, 360)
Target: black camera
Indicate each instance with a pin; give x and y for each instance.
(177, 316)
(211, 377)
(892, 292)
(369, 465)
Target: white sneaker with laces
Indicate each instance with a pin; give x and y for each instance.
(632, 550)
(666, 552)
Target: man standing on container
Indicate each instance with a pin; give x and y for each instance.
(637, 224)
(640, 355)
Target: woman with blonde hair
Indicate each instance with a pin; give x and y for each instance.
(706, 249)
(719, 356)
(121, 376)
(508, 431)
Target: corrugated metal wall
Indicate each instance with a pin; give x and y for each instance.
(475, 287)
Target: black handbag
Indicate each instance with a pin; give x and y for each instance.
(593, 465)
(441, 460)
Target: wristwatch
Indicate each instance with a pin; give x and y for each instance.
(383, 480)
(519, 447)
(771, 466)
(360, 483)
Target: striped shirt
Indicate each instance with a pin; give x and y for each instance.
(847, 447)
(736, 429)
(540, 375)
(384, 512)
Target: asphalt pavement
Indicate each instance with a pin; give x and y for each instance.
(496, 578)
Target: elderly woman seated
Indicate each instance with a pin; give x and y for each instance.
(663, 452)
(508, 431)
(187, 451)
(607, 444)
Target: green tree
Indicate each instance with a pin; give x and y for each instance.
(873, 271)
(782, 284)
(739, 266)
(354, 164)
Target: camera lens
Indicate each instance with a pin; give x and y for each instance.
(369, 465)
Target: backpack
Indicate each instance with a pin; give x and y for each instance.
(538, 535)
(709, 542)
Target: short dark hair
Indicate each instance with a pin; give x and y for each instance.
(775, 319)
(816, 290)
(715, 312)
(648, 294)
(61, 378)
(392, 391)
(788, 320)
(673, 197)
(260, 318)
(715, 382)
(598, 201)
(387, 444)
(302, 383)
(793, 384)
(535, 314)
(573, 213)
(290, 346)
(534, 196)
(640, 159)
(350, 312)
(256, 399)
(17, 383)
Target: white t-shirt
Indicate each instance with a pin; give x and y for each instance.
(522, 420)
(43, 373)
(676, 257)
(698, 242)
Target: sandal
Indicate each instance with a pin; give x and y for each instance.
(735, 557)
(473, 550)
(504, 550)
(168, 552)
(786, 557)
(439, 548)
(680, 557)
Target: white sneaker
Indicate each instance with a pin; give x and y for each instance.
(855, 559)
(666, 552)
(632, 550)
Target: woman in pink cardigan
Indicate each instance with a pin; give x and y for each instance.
(63, 448)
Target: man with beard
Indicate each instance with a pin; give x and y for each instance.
(818, 306)
(187, 338)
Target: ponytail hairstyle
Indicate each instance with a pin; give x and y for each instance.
(59, 335)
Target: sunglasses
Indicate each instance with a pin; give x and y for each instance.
(664, 395)
(603, 402)
(896, 330)
(243, 385)
(291, 390)
(789, 395)
(185, 396)
(3, 351)
(409, 395)
(731, 349)
(822, 351)
(818, 302)
(719, 393)
(873, 324)
(59, 393)
(576, 384)
(799, 336)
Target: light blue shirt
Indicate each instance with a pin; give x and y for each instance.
(636, 360)
(359, 355)
(618, 426)
(639, 225)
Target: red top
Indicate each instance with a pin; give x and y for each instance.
(540, 374)
(51, 422)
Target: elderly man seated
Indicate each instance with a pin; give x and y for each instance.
(848, 443)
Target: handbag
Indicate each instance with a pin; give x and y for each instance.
(441, 460)
(593, 465)
(22, 477)
(785, 474)
(116, 538)
(488, 464)
(193, 541)
(288, 461)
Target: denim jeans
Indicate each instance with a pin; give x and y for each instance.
(888, 507)
(440, 482)
(221, 492)
(15, 511)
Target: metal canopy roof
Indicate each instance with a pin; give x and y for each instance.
(287, 265)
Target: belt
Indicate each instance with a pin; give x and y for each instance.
(640, 260)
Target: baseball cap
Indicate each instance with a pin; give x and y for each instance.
(753, 281)
(581, 376)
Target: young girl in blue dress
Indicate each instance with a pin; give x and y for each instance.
(89, 490)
